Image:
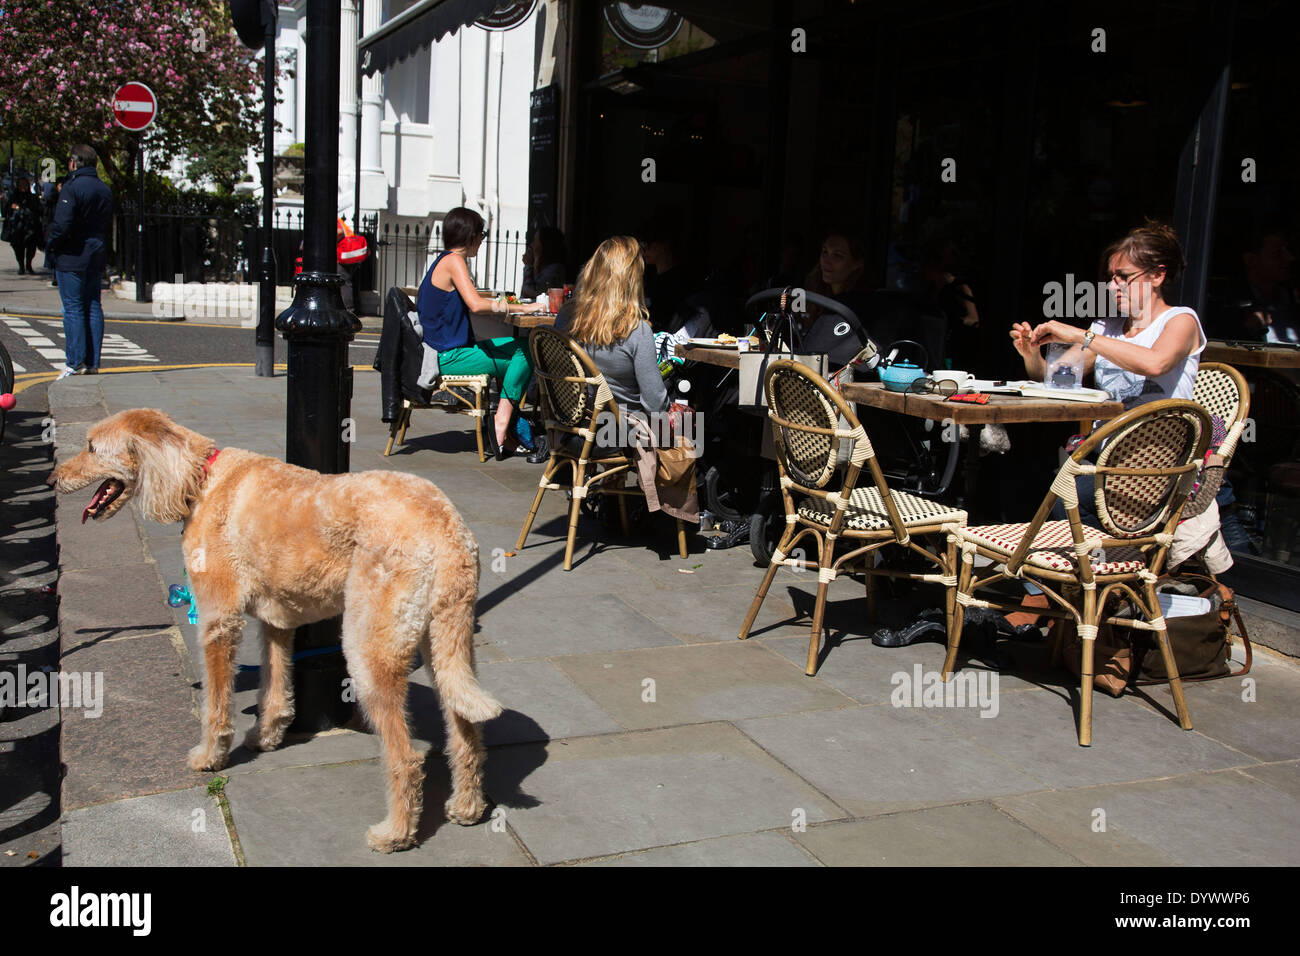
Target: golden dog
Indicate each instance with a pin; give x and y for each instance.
(290, 546)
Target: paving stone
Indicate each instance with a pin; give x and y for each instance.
(699, 614)
(1036, 732)
(751, 849)
(1267, 728)
(696, 684)
(541, 702)
(1202, 819)
(179, 828)
(99, 604)
(873, 760)
(549, 626)
(109, 543)
(869, 674)
(597, 796)
(1071, 821)
(140, 741)
(318, 816)
(1284, 776)
(970, 835)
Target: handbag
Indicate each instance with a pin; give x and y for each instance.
(1112, 660)
(1201, 643)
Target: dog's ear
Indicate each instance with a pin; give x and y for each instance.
(168, 469)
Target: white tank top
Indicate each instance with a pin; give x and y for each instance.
(1133, 388)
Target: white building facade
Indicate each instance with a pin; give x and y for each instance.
(446, 127)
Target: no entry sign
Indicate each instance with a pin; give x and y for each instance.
(134, 106)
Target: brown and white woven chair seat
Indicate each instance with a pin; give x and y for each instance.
(866, 510)
(1053, 547)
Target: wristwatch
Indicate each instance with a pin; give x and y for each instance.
(1088, 337)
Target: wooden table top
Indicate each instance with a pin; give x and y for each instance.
(1262, 355)
(520, 320)
(1000, 410)
(723, 358)
(525, 320)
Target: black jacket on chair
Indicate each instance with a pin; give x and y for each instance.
(400, 356)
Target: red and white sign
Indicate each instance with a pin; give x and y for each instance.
(134, 106)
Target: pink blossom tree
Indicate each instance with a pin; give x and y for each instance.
(61, 62)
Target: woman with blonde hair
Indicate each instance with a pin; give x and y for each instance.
(610, 321)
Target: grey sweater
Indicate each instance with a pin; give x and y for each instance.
(632, 370)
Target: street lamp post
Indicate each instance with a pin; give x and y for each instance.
(318, 329)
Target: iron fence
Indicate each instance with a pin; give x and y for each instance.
(401, 253)
(200, 245)
(206, 245)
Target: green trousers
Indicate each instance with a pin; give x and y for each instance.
(506, 359)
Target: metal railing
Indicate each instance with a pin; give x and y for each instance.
(402, 252)
(225, 245)
(200, 245)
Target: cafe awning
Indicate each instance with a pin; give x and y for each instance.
(423, 24)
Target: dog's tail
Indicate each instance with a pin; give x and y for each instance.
(451, 638)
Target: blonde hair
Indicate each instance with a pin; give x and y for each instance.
(610, 301)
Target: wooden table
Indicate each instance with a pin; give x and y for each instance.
(526, 320)
(709, 355)
(1262, 355)
(1000, 410)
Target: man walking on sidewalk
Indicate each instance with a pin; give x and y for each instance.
(76, 245)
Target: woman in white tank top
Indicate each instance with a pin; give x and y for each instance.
(1151, 350)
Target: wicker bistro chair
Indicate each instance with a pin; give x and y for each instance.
(574, 395)
(458, 403)
(1147, 463)
(1222, 391)
(808, 426)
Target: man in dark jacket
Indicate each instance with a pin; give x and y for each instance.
(76, 245)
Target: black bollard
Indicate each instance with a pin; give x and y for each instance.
(318, 328)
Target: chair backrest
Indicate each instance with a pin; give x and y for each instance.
(1147, 462)
(573, 391)
(1146, 467)
(1223, 391)
(806, 413)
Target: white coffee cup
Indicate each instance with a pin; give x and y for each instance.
(962, 379)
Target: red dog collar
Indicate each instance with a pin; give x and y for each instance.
(211, 458)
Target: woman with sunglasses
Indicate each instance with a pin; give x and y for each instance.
(446, 298)
(1150, 350)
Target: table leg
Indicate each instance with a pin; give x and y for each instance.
(972, 469)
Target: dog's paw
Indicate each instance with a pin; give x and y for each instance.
(465, 811)
(385, 839)
(201, 758)
(257, 739)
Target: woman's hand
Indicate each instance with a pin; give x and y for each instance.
(1054, 331)
(1022, 338)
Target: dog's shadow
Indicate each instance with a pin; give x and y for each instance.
(516, 746)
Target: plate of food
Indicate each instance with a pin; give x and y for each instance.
(725, 341)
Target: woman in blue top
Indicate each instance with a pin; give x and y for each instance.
(446, 298)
